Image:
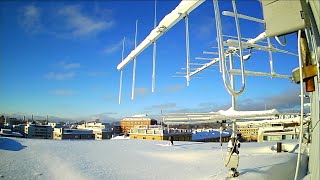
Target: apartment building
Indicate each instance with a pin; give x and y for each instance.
(62, 133)
(250, 129)
(38, 131)
(249, 133)
(277, 134)
(127, 123)
(101, 130)
(158, 132)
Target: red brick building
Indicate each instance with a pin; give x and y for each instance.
(127, 123)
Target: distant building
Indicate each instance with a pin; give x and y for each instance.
(101, 130)
(38, 131)
(9, 133)
(55, 125)
(20, 128)
(116, 128)
(248, 133)
(278, 134)
(129, 122)
(102, 134)
(9, 120)
(250, 129)
(2, 121)
(62, 133)
(211, 135)
(158, 132)
(93, 125)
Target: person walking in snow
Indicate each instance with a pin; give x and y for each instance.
(233, 145)
(171, 140)
(232, 160)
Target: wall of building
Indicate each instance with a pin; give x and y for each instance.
(61, 133)
(248, 134)
(127, 124)
(38, 131)
(176, 137)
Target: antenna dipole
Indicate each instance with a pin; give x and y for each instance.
(187, 49)
(154, 49)
(134, 63)
(120, 88)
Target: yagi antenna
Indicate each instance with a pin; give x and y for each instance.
(120, 88)
(134, 63)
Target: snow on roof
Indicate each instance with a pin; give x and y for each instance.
(245, 114)
(270, 121)
(138, 119)
(12, 134)
(192, 118)
(140, 159)
(121, 137)
(77, 131)
(140, 115)
(210, 134)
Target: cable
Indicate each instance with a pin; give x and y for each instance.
(301, 108)
(314, 126)
(222, 157)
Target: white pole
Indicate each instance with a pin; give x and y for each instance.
(134, 63)
(233, 98)
(187, 50)
(301, 107)
(154, 50)
(120, 88)
(270, 57)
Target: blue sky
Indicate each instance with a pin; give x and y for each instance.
(60, 58)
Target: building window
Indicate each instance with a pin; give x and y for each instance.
(265, 138)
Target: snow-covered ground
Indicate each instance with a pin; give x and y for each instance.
(138, 159)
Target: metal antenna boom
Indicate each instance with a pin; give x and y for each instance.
(134, 63)
(120, 88)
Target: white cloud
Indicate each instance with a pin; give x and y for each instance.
(163, 106)
(117, 46)
(113, 48)
(59, 76)
(65, 21)
(79, 24)
(69, 66)
(30, 18)
(62, 92)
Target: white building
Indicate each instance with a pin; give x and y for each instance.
(62, 133)
(38, 131)
(100, 130)
(9, 133)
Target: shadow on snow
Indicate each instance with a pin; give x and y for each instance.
(10, 144)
